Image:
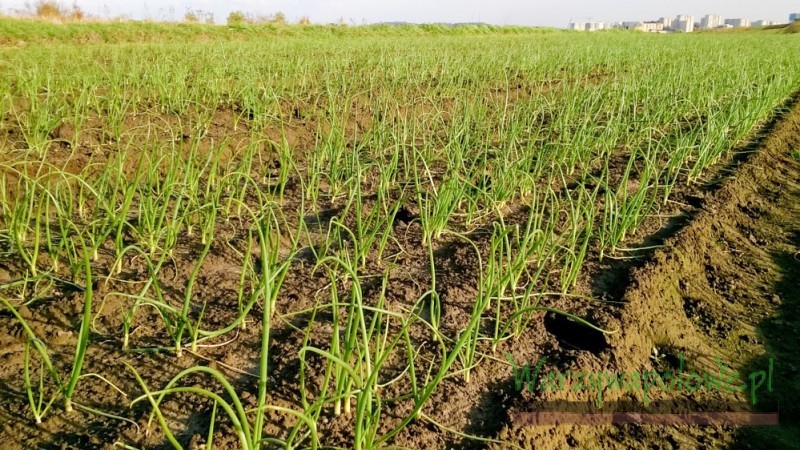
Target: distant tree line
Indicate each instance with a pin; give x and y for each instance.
(279, 18)
(54, 10)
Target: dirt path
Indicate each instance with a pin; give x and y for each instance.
(724, 290)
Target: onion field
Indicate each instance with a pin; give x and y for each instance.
(333, 237)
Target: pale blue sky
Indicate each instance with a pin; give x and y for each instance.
(503, 12)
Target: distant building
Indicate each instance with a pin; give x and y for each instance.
(650, 27)
(710, 21)
(579, 26)
(794, 16)
(763, 23)
(667, 22)
(738, 23)
(653, 27)
(684, 24)
(633, 25)
(594, 26)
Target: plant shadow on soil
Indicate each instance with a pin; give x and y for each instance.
(487, 417)
(781, 334)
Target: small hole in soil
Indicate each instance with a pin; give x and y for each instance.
(575, 335)
(694, 201)
(405, 215)
(666, 358)
(305, 254)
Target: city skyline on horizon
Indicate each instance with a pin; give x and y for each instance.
(696, 18)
